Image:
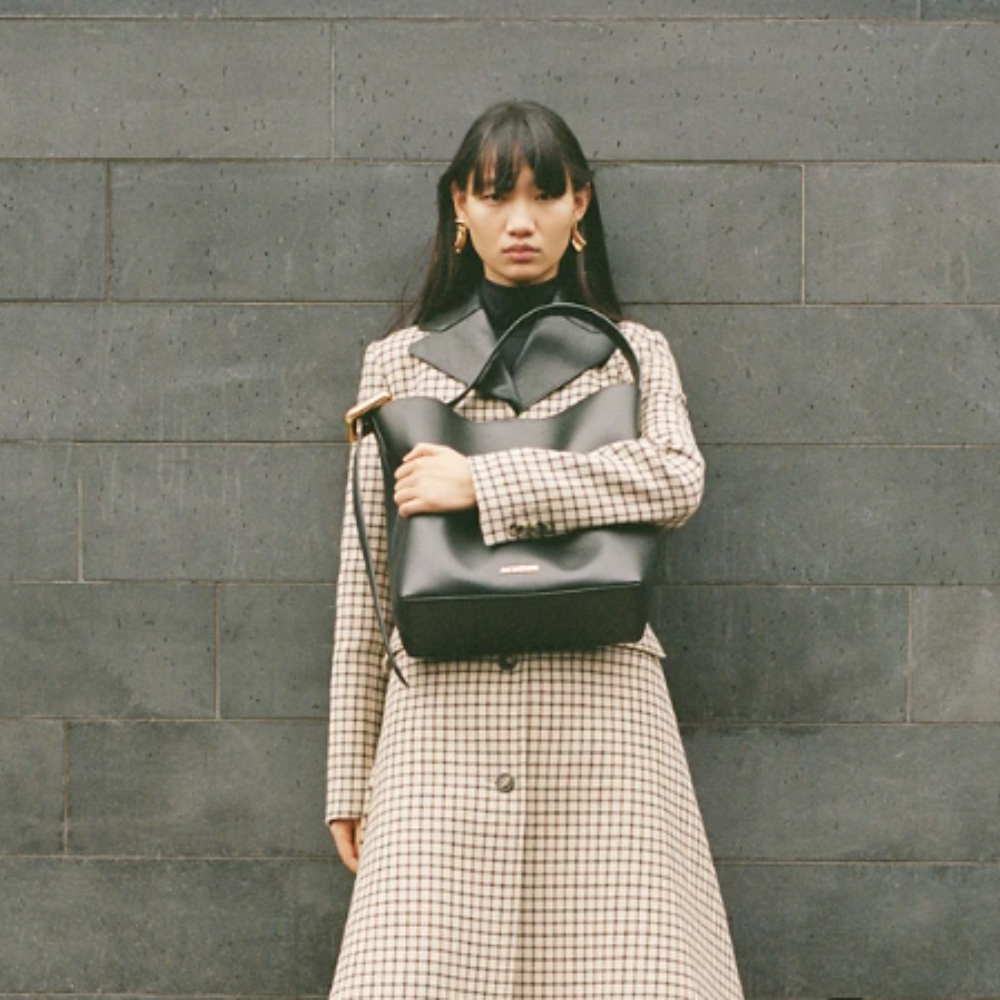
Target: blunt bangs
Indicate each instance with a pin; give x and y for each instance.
(515, 142)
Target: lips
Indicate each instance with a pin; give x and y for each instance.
(520, 251)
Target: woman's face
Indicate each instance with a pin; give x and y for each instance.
(522, 235)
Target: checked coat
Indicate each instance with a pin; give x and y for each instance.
(530, 830)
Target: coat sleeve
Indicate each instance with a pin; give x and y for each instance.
(358, 676)
(658, 478)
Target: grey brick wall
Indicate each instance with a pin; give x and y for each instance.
(208, 207)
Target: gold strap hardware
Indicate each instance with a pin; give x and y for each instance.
(355, 413)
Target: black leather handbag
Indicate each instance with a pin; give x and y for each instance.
(453, 596)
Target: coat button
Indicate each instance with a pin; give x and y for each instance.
(507, 662)
(505, 783)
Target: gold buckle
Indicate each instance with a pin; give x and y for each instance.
(355, 413)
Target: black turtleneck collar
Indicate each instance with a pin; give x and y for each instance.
(506, 303)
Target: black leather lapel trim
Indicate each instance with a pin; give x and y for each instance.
(460, 341)
(556, 351)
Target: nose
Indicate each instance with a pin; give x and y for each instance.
(520, 218)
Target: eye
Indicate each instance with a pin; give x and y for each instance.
(491, 196)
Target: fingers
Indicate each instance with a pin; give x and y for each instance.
(433, 479)
(424, 450)
(345, 836)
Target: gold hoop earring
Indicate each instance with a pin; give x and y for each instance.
(461, 235)
(576, 238)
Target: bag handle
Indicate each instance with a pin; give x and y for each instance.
(363, 424)
(592, 316)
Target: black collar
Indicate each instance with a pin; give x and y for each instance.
(556, 350)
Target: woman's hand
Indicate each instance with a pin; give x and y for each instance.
(433, 479)
(345, 836)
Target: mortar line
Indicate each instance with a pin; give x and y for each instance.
(802, 291)
(218, 665)
(65, 790)
(319, 721)
(859, 863)
(588, 20)
(393, 304)
(909, 654)
(79, 514)
(107, 231)
(333, 90)
(174, 581)
(316, 858)
(80, 446)
(172, 720)
(327, 859)
(376, 161)
(179, 582)
(834, 725)
(671, 303)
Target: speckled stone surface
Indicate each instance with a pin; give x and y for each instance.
(181, 372)
(710, 90)
(165, 89)
(52, 230)
(208, 208)
(108, 651)
(252, 512)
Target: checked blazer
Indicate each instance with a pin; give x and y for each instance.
(530, 829)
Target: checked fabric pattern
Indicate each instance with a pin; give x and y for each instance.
(531, 832)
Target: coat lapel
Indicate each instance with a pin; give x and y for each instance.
(556, 351)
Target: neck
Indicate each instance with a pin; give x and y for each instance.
(506, 303)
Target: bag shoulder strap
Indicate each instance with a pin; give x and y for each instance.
(366, 552)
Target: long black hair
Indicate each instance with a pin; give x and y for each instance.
(502, 141)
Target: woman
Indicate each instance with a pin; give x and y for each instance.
(530, 830)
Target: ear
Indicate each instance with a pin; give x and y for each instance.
(459, 197)
(581, 202)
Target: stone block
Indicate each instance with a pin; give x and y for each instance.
(120, 650)
(165, 89)
(960, 10)
(170, 927)
(862, 793)
(51, 225)
(274, 651)
(903, 232)
(212, 512)
(791, 654)
(865, 930)
(110, 8)
(38, 512)
(31, 787)
(704, 234)
(51, 9)
(167, 789)
(819, 375)
(709, 90)
(876, 516)
(956, 654)
(303, 232)
(181, 373)
(543, 10)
